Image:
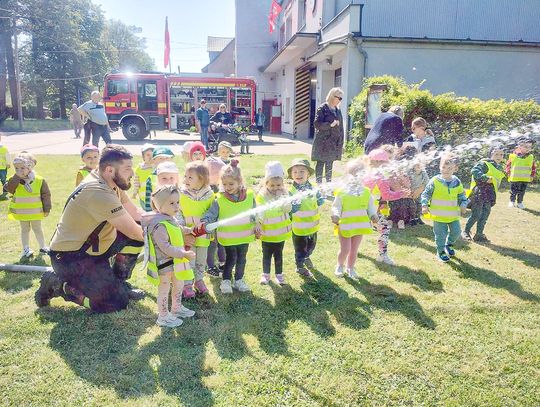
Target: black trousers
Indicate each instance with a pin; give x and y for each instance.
(87, 132)
(303, 247)
(269, 250)
(235, 257)
(101, 279)
(517, 191)
(327, 165)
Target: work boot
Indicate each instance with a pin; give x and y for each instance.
(50, 286)
(134, 294)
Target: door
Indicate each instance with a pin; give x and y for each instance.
(147, 95)
(267, 111)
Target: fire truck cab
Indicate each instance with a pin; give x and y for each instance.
(141, 102)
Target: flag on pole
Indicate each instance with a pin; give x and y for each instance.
(167, 56)
(275, 9)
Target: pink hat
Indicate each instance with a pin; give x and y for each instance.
(197, 146)
(379, 155)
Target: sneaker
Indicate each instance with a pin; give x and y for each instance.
(44, 250)
(401, 224)
(226, 287)
(385, 258)
(520, 205)
(511, 204)
(309, 264)
(241, 286)
(304, 272)
(419, 221)
(481, 238)
(200, 287)
(265, 278)
(184, 312)
(450, 250)
(443, 257)
(213, 272)
(50, 286)
(280, 279)
(339, 271)
(170, 321)
(390, 224)
(27, 252)
(351, 273)
(188, 292)
(466, 236)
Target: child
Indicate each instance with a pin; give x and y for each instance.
(30, 203)
(4, 166)
(276, 223)
(419, 180)
(90, 158)
(143, 172)
(521, 170)
(422, 136)
(168, 261)
(167, 174)
(402, 210)
(352, 210)
(225, 151)
(236, 236)
(486, 178)
(305, 216)
(379, 184)
(186, 147)
(444, 199)
(196, 197)
(159, 155)
(197, 152)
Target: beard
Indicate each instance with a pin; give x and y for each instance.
(123, 184)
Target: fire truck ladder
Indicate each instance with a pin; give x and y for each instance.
(302, 82)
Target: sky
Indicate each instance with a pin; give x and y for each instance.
(190, 23)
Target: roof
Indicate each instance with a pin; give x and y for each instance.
(217, 44)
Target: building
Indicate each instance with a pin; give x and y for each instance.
(482, 48)
(221, 54)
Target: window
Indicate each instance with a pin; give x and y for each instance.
(288, 28)
(287, 110)
(282, 36)
(337, 78)
(150, 90)
(117, 86)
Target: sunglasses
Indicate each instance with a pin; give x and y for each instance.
(338, 97)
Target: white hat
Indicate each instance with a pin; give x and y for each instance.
(274, 169)
(168, 167)
(146, 147)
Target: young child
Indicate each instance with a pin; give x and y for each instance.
(377, 181)
(236, 236)
(197, 152)
(196, 197)
(419, 180)
(90, 158)
(184, 151)
(225, 151)
(159, 155)
(5, 164)
(276, 222)
(352, 211)
(30, 203)
(444, 200)
(486, 179)
(402, 210)
(143, 172)
(521, 170)
(168, 262)
(305, 216)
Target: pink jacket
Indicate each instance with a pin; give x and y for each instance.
(384, 187)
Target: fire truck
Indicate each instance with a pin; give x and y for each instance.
(142, 102)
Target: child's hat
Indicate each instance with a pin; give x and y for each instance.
(147, 146)
(273, 169)
(225, 144)
(379, 155)
(88, 147)
(159, 197)
(162, 152)
(302, 162)
(197, 146)
(168, 167)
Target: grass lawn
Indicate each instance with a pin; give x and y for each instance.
(34, 125)
(421, 333)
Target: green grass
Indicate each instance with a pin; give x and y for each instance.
(422, 333)
(34, 125)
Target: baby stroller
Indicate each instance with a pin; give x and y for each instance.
(218, 133)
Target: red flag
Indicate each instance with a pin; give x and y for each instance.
(275, 9)
(167, 56)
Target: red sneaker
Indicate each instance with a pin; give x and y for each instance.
(201, 288)
(188, 292)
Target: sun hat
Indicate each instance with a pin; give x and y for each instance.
(197, 146)
(147, 146)
(302, 162)
(162, 152)
(379, 155)
(168, 167)
(88, 147)
(159, 197)
(273, 169)
(225, 144)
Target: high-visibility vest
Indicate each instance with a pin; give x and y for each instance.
(193, 211)
(83, 172)
(26, 205)
(495, 174)
(153, 184)
(520, 168)
(276, 225)
(443, 206)
(181, 267)
(376, 194)
(239, 231)
(305, 221)
(143, 174)
(3, 157)
(354, 219)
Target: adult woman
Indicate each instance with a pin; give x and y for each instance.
(226, 120)
(328, 143)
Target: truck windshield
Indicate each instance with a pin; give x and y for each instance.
(117, 86)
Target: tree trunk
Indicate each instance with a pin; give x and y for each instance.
(39, 86)
(5, 38)
(3, 77)
(62, 99)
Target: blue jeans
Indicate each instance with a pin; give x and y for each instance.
(3, 177)
(446, 234)
(204, 136)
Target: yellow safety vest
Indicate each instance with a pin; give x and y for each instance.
(239, 231)
(354, 219)
(3, 158)
(520, 168)
(305, 221)
(26, 205)
(143, 174)
(443, 206)
(276, 225)
(83, 173)
(376, 194)
(181, 267)
(495, 174)
(193, 211)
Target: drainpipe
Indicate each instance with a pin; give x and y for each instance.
(359, 43)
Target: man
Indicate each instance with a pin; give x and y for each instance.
(387, 129)
(97, 240)
(97, 120)
(203, 118)
(259, 122)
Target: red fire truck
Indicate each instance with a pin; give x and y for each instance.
(142, 102)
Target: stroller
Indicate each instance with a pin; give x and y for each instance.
(218, 133)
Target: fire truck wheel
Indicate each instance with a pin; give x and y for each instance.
(134, 129)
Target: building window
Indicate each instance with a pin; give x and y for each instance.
(337, 78)
(288, 28)
(287, 110)
(301, 14)
(282, 36)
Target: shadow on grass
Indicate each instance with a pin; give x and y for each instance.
(411, 237)
(492, 279)
(527, 257)
(19, 281)
(532, 211)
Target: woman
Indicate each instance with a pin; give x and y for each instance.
(328, 142)
(226, 120)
